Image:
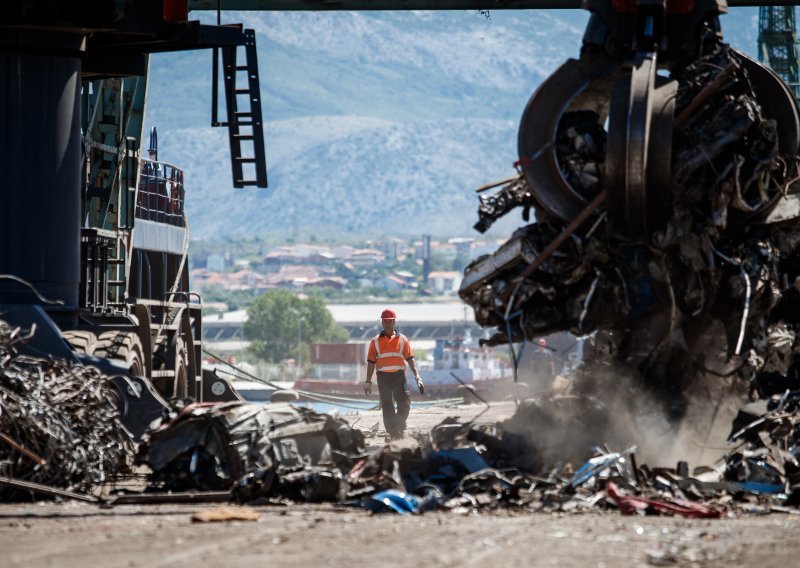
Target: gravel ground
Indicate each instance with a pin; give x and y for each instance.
(77, 534)
(163, 535)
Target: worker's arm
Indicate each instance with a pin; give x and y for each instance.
(413, 366)
(372, 356)
(408, 355)
(368, 380)
(420, 384)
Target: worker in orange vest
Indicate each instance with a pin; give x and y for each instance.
(388, 352)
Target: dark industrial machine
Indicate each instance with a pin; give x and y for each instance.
(94, 236)
(662, 168)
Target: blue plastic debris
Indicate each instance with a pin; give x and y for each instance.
(467, 457)
(596, 465)
(395, 501)
(592, 468)
(392, 500)
(755, 487)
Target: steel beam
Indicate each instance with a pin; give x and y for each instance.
(368, 5)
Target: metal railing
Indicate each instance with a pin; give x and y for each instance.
(161, 194)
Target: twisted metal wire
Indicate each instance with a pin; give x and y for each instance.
(59, 422)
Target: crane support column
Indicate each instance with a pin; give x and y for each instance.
(40, 167)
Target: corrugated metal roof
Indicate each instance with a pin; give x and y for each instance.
(434, 312)
(441, 312)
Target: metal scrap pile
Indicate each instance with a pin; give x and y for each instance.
(59, 425)
(505, 465)
(469, 468)
(712, 279)
(253, 450)
(767, 461)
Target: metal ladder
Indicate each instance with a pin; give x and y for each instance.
(112, 118)
(245, 126)
(103, 283)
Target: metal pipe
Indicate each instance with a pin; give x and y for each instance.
(46, 489)
(24, 451)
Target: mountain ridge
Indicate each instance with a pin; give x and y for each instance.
(374, 122)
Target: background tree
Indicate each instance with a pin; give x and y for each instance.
(277, 319)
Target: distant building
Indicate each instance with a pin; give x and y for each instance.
(292, 277)
(445, 282)
(275, 260)
(342, 252)
(322, 257)
(335, 282)
(366, 257)
(447, 251)
(394, 283)
(418, 321)
(299, 282)
(394, 249)
(462, 245)
(282, 256)
(407, 276)
(244, 280)
(202, 278)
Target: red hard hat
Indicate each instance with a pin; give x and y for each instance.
(543, 342)
(388, 315)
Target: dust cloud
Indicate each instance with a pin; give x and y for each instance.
(609, 408)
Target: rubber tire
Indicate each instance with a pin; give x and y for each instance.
(81, 341)
(124, 347)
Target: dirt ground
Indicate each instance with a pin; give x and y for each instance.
(79, 534)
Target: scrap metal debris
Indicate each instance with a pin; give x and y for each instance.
(255, 451)
(470, 467)
(59, 423)
(631, 504)
(768, 463)
(713, 276)
(277, 452)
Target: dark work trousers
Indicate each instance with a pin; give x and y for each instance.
(392, 389)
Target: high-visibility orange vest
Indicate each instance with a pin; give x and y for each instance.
(389, 353)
